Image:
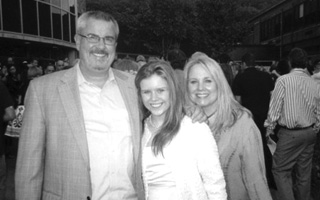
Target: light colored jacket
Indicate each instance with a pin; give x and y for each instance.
(242, 161)
(194, 159)
(53, 157)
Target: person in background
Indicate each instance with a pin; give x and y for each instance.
(4, 73)
(280, 69)
(252, 89)
(1, 75)
(7, 113)
(316, 70)
(238, 138)
(127, 65)
(5, 69)
(177, 59)
(35, 64)
(310, 67)
(224, 60)
(153, 58)
(59, 65)
(10, 61)
(141, 60)
(236, 68)
(66, 64)
(32, 73)
(49, 69)
(24, 71)
(180, 159)
(295, 106)
(13, 84)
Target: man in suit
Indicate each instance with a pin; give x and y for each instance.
(252, 88)
(80, 137)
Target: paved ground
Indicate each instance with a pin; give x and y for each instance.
(11, 162)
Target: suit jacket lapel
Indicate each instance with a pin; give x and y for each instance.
(129, 95)
(70, 97)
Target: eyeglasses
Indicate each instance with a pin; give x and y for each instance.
(92, 38)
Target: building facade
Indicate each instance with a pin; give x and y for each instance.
(42, 29)
(289, 24)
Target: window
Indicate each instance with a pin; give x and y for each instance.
(44, 20)
(72, 5)
(29, 14)
(263, 31)
(270, 28)
(73, 26)
(65, 5)
(277, 26)
(311, 12)
(0, 17)
(65, 22)
(287, 21)
(11, 15)
(56, 23)
(298, 16)
(57, 2)
(301, 10)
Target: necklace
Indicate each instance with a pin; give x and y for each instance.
(209, 116)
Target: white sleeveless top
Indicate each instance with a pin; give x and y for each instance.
(158, 174)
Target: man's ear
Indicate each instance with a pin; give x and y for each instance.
(77, 40)
(289, 63)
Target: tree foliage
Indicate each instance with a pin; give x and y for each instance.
(153, 26)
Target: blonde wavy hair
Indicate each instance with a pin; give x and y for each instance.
(228, 109)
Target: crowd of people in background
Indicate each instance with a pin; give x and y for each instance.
(17, 75)
(237, 98)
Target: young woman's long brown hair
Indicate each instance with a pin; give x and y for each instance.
(175, 113)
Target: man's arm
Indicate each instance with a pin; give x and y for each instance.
(275, 107)
(30, 160)
(316, 126)
(9, 114)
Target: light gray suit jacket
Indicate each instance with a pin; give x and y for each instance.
(53, 158)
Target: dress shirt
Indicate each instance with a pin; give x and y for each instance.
(316, 77)
(109, 139)
(295, 102)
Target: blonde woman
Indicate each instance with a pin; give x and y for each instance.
(238, 138)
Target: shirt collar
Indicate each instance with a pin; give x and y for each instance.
(300, 70)
(82, 80)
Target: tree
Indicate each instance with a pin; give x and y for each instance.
(198, 25)
(165, 23)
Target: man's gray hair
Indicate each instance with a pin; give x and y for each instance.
(99, 15)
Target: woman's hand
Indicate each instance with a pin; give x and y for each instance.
(196, 114)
